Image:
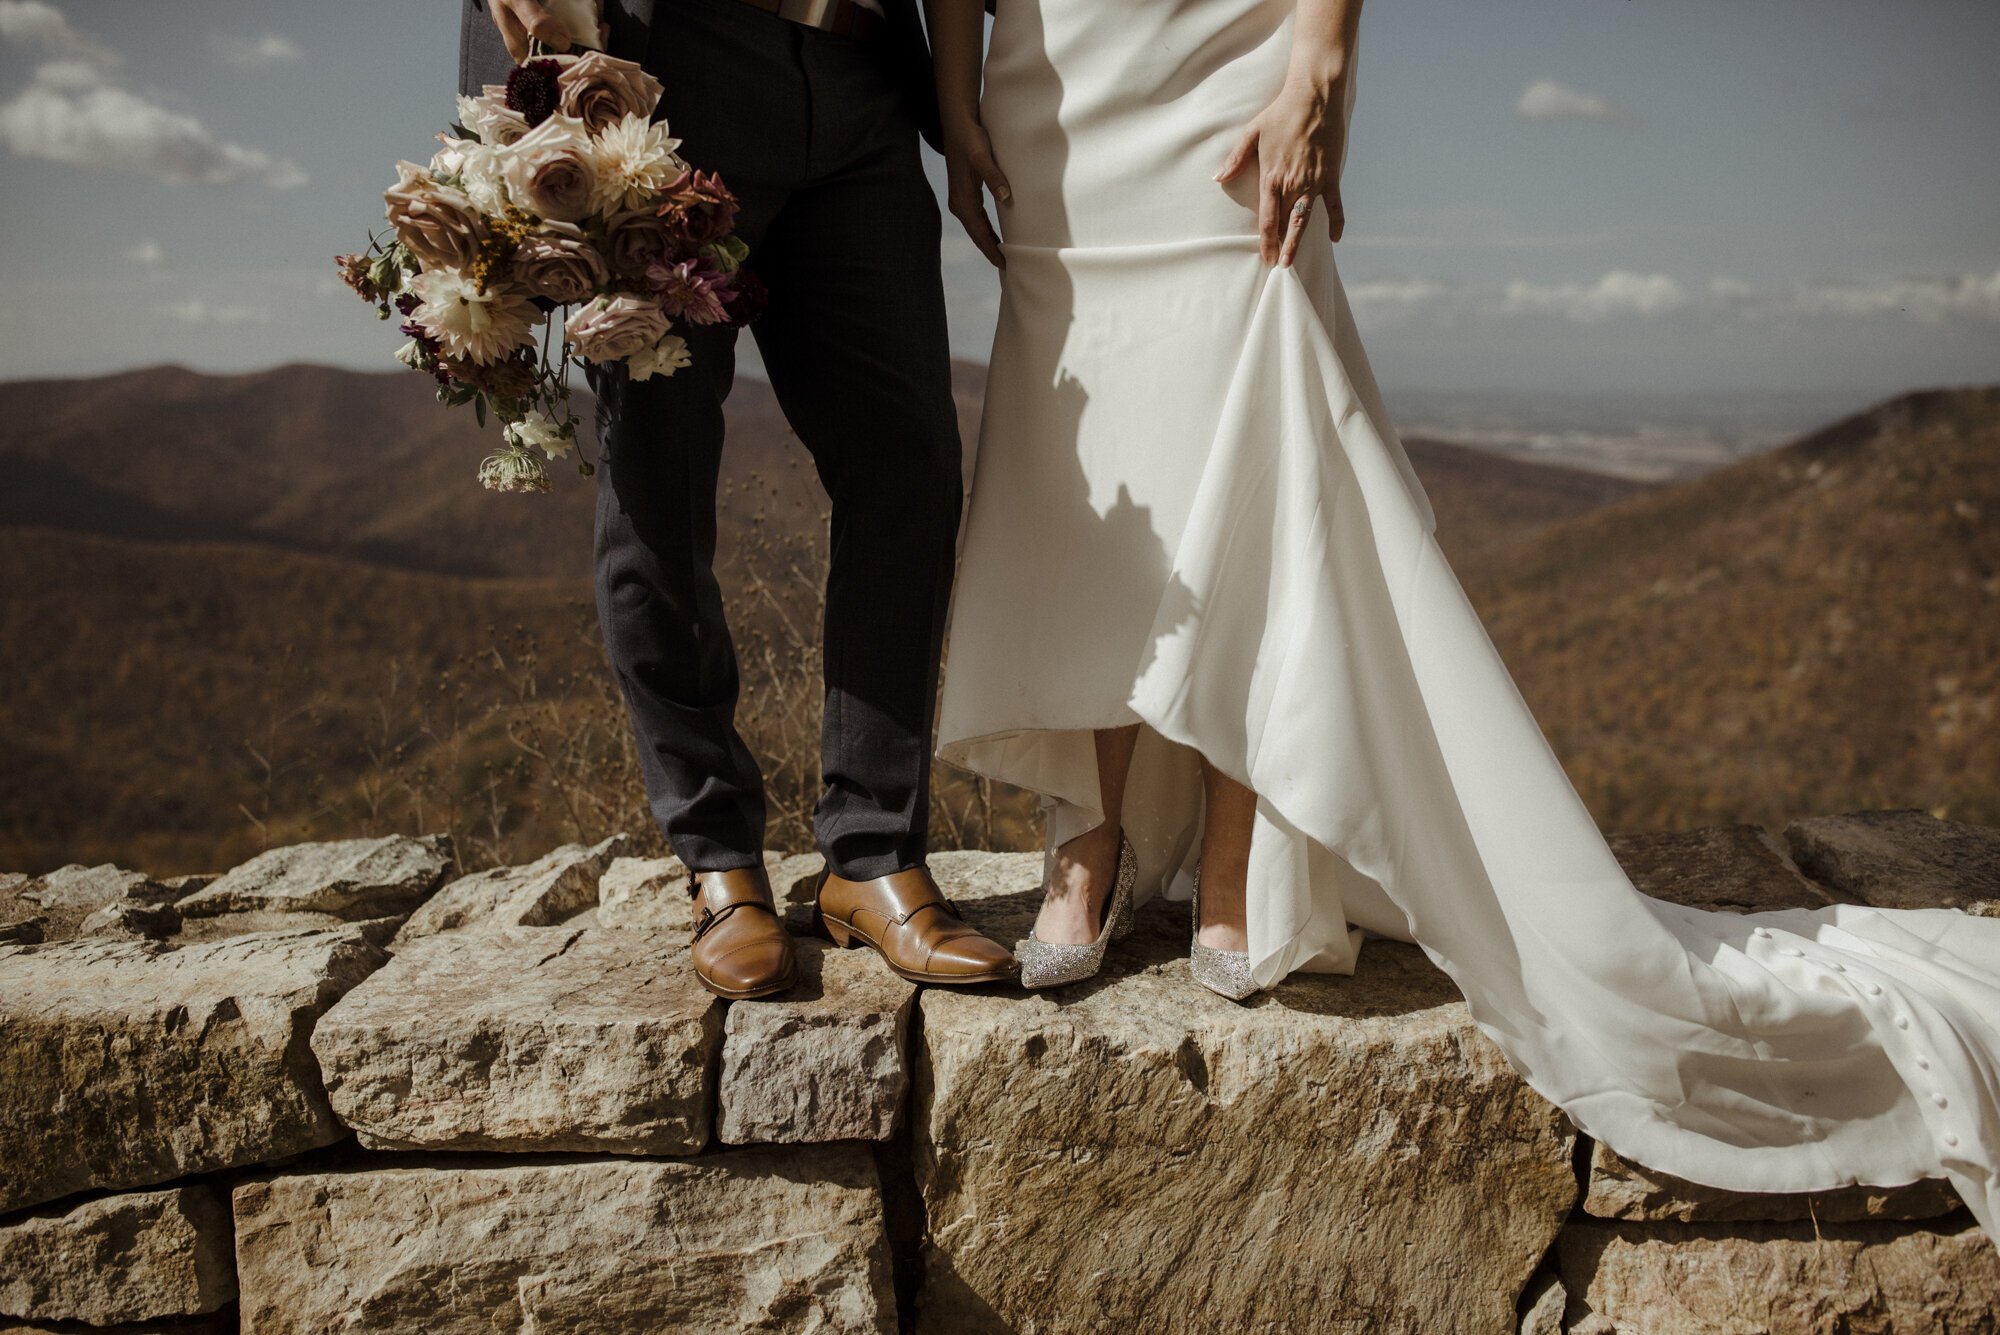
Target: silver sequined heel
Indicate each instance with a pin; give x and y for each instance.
(1223, 971)
(1053, 963)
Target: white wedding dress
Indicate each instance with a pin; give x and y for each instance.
(1190, 511)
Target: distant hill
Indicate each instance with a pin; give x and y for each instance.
(248, 607)
(366, 465)
(1814, 628)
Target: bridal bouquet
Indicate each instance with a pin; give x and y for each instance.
(556, 224)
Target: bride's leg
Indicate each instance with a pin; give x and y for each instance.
(1225, 859)
(1086, 867)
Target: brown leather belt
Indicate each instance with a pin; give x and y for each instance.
(845, 17)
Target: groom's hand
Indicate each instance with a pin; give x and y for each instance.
(970, 171)
(520, 20)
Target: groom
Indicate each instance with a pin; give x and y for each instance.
(810, 110)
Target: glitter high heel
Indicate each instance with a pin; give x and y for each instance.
(1224, 971)
(1053, 963)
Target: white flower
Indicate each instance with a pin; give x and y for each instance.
(513, 469)
(411, 354)
(480, 176)
(539, 431)
(490, 117)
(480, 326)
(669, 355)
(635, 163)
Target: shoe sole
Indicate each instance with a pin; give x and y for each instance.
(748, 993)
(845, 935)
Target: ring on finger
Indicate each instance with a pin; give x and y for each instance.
(1301, 208)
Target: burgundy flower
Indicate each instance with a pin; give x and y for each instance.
(407, 303)
(533, 91)
(692, 290)
(745, 299)
(510, 378)
(699, 208)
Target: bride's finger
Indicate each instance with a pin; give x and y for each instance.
(1296, 223)
(1271, 205)
(1246, 148)
(1336, 216)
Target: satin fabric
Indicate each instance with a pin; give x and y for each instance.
(1190, 510)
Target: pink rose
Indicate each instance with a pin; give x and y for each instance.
(558, 262)
(551, 170)
(613, 328)
(598, 89)
(636, 238)
(438, 223)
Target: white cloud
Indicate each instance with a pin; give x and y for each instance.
(1547, 100)
(1620, 292)
(255, 52)
(196, 311)
(146, 252)
(1926, 300)
(72, 113)
(1624, 293)
(32, 23)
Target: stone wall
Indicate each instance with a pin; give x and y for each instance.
(334, 1090)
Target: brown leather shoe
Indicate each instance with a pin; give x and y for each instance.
(740, 947)
(913, 926)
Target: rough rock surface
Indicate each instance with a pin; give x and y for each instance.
(130, 1063)
(1542, 1305)
(648, 893)
(1362, 1130)
(79, 887)
(222, 1323)
(57, 906)
(542, 893)
(132, 920)
(123, 1258)
(1620, 1189)
(1779, 1279)
(762, 1239)
(534, 1038)
(1736, 867)
(1902, 859)
(348, 878)
(825, 1061)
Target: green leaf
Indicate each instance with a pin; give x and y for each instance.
(479, 409)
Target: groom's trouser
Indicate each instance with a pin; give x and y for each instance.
(810, 133)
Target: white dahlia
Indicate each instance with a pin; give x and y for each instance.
(667, 356)
(482, 327)
(635, 163)
(539, 431)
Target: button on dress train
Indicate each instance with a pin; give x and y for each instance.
(1190, 511)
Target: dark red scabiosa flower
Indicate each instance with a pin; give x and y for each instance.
(532, 90)
(745, 298)
(699, 209)
(407, 303)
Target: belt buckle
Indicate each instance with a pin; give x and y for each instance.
(837, 16)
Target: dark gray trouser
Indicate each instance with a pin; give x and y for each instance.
(809, 131)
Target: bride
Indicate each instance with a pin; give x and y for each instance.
(1201, 612)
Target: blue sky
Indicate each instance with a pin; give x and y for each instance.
(1614, 195)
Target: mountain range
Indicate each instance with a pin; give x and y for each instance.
(245, 607)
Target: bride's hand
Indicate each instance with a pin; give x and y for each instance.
(970, 171)
(1294, 143)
